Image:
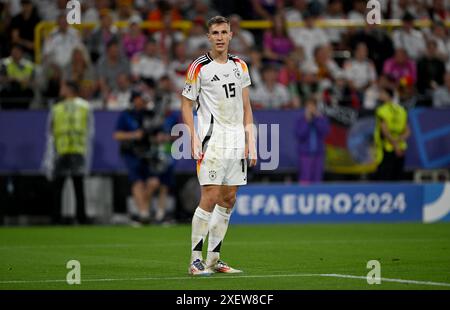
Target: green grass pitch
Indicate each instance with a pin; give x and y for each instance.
(313, 256)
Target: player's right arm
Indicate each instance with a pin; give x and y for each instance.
(188, 119)
(189, 96)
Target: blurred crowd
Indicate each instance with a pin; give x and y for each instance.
(341, 66)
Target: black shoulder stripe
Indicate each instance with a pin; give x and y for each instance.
(233, 58)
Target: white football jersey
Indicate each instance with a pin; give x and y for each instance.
(217, 89)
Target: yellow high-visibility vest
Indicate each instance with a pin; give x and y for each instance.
(70, 126)
(396, 119)
(20, 71)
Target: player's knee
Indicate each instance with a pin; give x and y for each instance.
(208, 202)
(228, 200)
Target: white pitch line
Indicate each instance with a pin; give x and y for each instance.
(344, 276)
(176, 244)
(388, 280)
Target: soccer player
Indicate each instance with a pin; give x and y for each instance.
(219, 85)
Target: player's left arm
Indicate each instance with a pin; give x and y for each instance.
(250, 143)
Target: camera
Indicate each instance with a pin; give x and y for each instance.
(148, 148)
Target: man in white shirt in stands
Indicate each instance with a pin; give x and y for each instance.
(308, 37)
(58, 47)
(147, 65)
(410, 39)
(270, 94)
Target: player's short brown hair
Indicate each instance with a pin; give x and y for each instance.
(217, 20)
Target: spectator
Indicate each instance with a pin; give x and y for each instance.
(360, 71)
(277, 44)
(201, 9)
(134, 40)
(391, 133)
(441, 96)
(242, 41)
(67, 157)
(256, 67)
(309, 37)
(401, 68)
(439, 11)
(439, 35)
(290, 75)
(166, 99)
(378, 43)
(197, 40)
(99, 39)
(125, 10)
(163, 7)
(309, 83)
(89, 13)
(430, 70)
(109, 67)
(358, 13)
(119, 99)
(22, 27)
(410, 39)
(372, 94)
(49, 10)
(5, 17)
(50, 84)
(147, 66)
(335, 11)
(327, 69)
(13, 6)
(167, 36)
(265, 9)
(311, 131)
(80, 69)
(421, 10)
(16, 77)
(270, 94)
(294, 13)
(399, 8)
(178, 67)
(59, 46)
(134, 143)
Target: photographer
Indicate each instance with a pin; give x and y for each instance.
(140, 134)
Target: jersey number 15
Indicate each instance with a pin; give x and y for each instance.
(230, 90)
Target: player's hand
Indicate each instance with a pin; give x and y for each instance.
(398, 151)
(250, 153)
(196, 148)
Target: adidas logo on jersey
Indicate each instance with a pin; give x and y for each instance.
(215, 78)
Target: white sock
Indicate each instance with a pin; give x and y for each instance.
(160, 213)
(200, 222)
(218, 226)
(144, 214)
